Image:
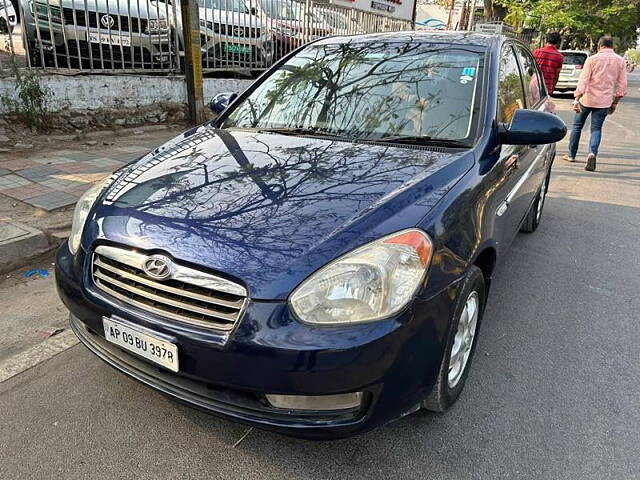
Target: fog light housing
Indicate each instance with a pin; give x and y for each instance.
(342, 401)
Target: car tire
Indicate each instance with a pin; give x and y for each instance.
(5, 27)
(532, 220)
(452, 377)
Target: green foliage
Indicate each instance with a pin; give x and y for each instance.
(633, 55)
(581, 22)
(31, 100)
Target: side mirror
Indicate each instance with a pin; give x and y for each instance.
(531, 127)
(221, 101)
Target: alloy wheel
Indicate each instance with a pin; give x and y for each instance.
(463, 341)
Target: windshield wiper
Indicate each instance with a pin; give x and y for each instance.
(424, 140)
(300, 131)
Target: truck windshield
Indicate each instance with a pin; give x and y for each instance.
(371, 91)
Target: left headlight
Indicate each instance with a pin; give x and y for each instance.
(370, 283)
(82, 211)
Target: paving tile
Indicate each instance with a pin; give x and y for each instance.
(4, 171)
(133, 149)
(18, 164)
(51, 160)
(125, 157)
(77, 189)
(27, 191)
(79, 155)
(51, 201)
(105, 162)
(12, 181)
(59, 184)
(89, 177)
(62, 153)
(70, 167)
(41, 172)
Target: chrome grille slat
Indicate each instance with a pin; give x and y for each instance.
(185, 293)
(188, 295)
(161, 299)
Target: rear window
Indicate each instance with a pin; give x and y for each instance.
(574, 58)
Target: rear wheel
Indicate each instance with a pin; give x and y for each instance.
(461, 343)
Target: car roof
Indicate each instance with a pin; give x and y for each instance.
(450, 37)
(575, 51)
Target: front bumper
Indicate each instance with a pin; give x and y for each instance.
(137, 49)
(394, 362)
(223, 50)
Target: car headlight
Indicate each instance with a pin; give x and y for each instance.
(82, 211)
(370, 283)
(157, 25)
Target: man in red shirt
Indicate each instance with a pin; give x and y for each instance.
(549, 59)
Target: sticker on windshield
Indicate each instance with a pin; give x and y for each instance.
(467, 74)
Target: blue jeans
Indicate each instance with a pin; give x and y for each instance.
(597, 119)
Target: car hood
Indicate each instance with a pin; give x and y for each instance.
(269, 209)
(229, 18)
(133, 9)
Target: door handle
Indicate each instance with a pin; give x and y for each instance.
(502, 208)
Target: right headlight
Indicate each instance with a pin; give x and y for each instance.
(83, 207)
(370, 283)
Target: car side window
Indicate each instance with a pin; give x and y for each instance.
(533, 84)
(510, 94)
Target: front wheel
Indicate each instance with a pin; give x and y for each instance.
(461, 343)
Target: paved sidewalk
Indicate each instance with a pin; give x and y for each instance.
(56, 179)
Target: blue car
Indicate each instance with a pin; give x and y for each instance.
(316, 260)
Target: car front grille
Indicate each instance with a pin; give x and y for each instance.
(122, 23)
(187, 295)
(231, 30)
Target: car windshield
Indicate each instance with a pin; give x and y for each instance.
(574, 58)
(283, 10)
(372, 91)
(227, 5)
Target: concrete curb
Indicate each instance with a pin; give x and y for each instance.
(35, 355)
(20, 243)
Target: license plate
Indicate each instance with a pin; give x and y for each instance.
(148, 346)
(236, 48)
(109, 39)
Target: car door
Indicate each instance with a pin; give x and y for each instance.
(514, 160)
(535, 96)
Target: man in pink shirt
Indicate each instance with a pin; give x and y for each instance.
(603, 82)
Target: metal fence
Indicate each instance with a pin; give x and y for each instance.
(148, 36)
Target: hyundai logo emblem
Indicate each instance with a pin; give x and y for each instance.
(107, 21)
(157, 267)
(238, 31)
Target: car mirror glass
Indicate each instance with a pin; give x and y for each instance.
(221, 101)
